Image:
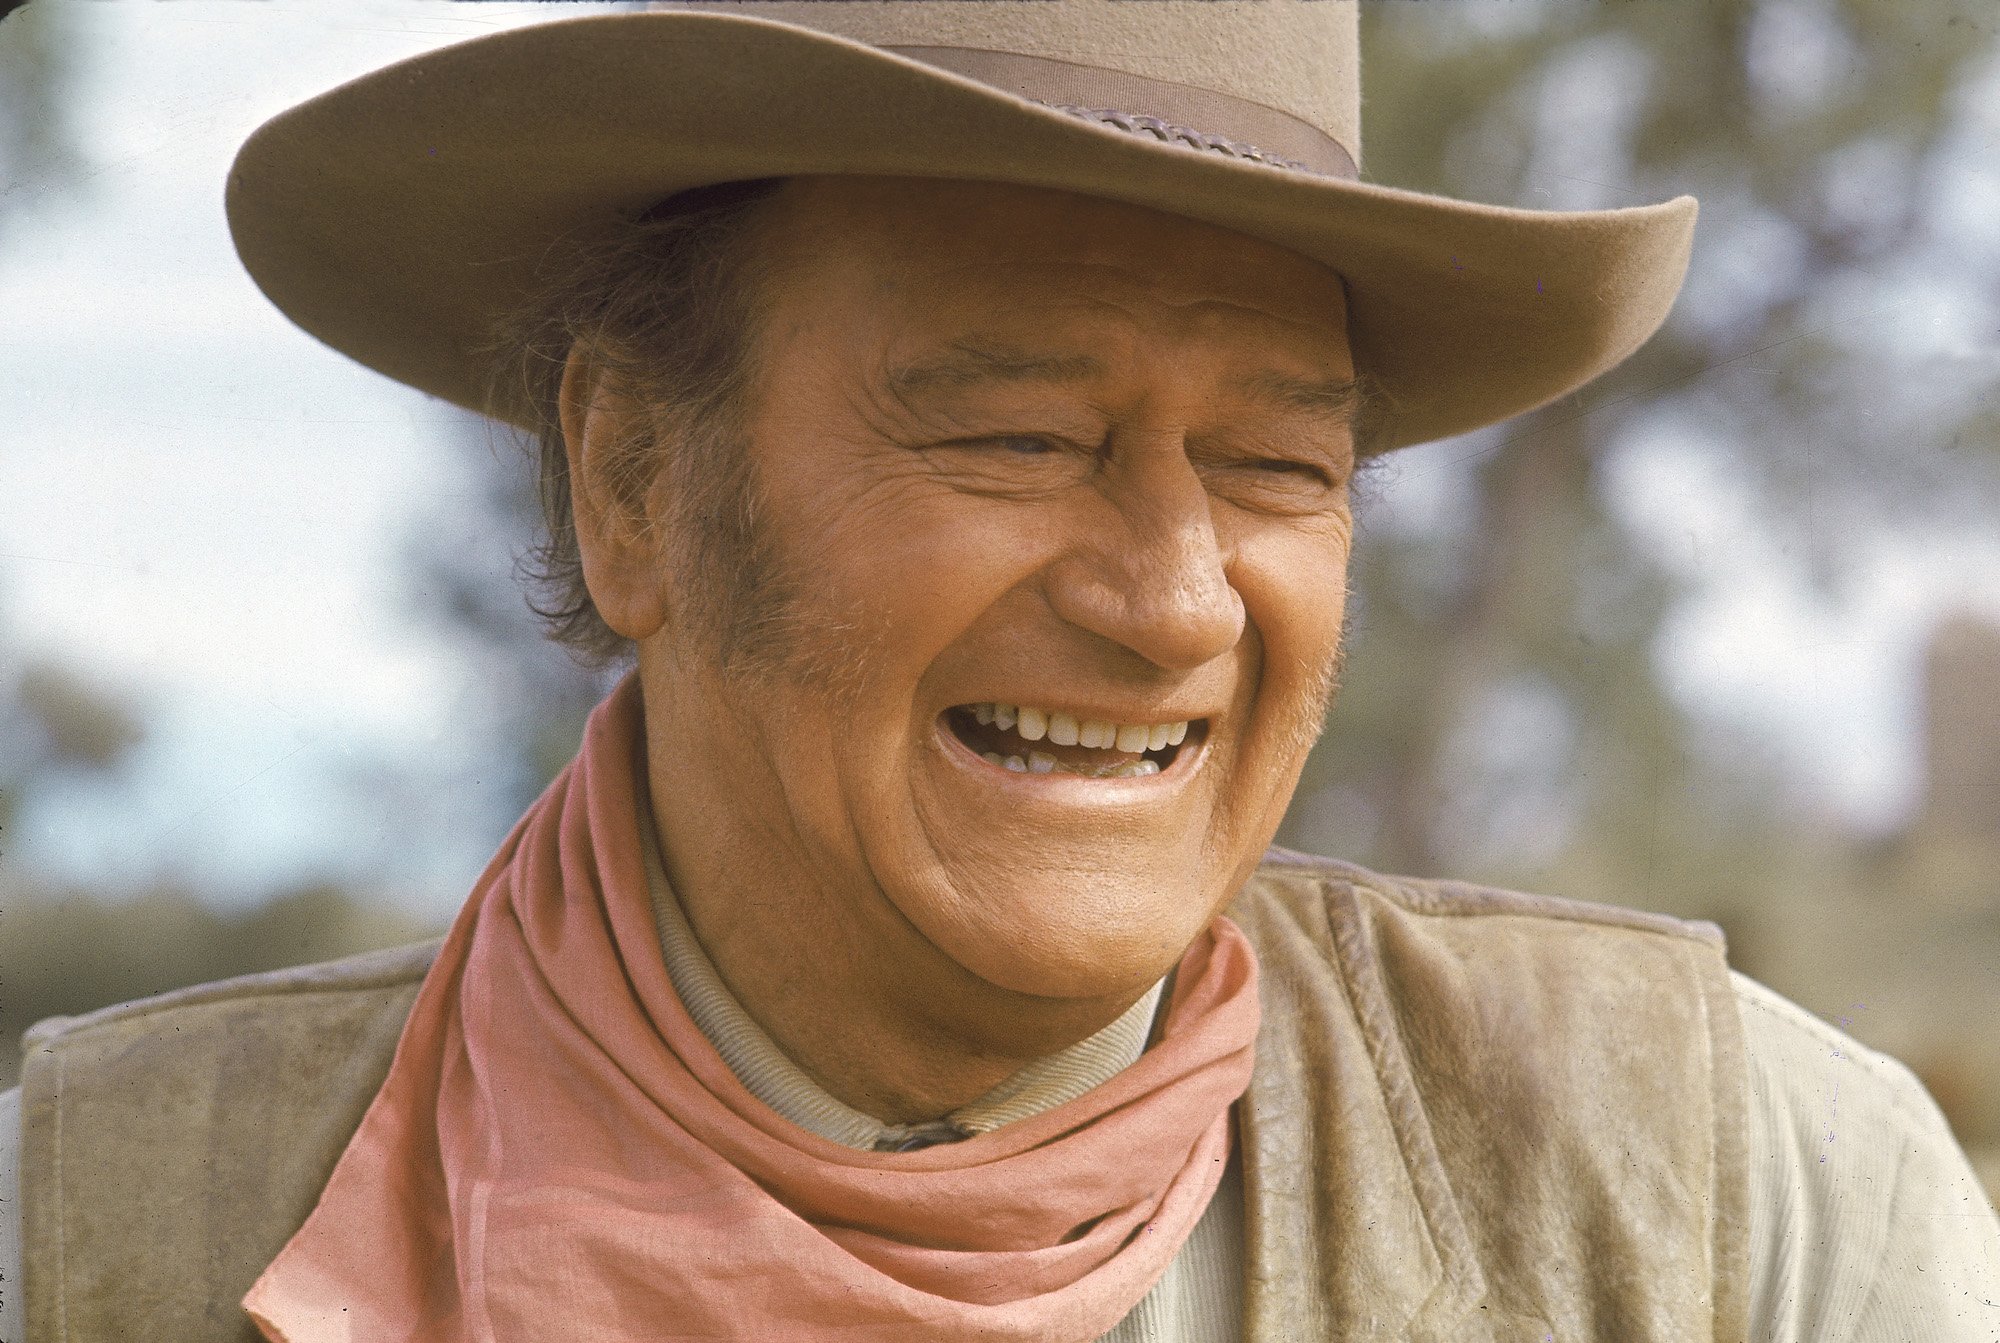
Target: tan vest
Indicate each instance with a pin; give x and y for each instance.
(1474, 1116)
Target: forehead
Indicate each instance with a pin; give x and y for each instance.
(903, 263)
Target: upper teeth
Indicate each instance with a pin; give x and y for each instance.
(1068, 730)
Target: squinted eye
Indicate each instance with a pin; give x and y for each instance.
(1279, 466)
(1024, 445)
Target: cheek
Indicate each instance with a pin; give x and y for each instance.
(934, 583)
(909, 569)
(1294, 587)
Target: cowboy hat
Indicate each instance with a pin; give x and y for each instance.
(397, 216)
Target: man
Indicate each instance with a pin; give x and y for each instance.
(954, 407)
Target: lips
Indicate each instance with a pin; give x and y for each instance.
(1032, 739)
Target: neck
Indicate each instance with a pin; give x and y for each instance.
(851, 992)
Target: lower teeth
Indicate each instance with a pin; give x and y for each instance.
(1040, 763)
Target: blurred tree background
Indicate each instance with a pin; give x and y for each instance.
(65, 950)
(1514, 711)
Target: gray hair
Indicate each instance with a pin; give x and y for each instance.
(667, 306)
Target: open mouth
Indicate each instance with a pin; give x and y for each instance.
(1031, 740)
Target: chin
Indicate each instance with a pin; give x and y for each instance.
(1076, 938)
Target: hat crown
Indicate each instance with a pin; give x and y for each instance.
(399, 216)
(1300, 58)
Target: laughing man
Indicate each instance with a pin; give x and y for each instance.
(952, 407)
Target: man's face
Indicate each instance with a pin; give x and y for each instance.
(1054, 493)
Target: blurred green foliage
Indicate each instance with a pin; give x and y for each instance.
(1818, 135)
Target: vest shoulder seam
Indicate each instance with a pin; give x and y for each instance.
(1445, 898)
(367, 972)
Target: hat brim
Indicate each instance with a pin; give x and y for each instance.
(397, 216)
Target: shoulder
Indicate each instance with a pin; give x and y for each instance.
(126, 1082)
(130, 1077)
(1868, 1222)
(1516, 975)
(312, 1021)
(1798, 1059)
(1496, 1000)
(1284, 874)
(1814, 1087)
(1375, 916)
(207, 1117)
(331, 985)
(187, 1075)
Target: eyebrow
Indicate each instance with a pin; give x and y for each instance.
(1333, 398)
(967, 363)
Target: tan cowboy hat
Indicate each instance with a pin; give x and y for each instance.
(395, 217)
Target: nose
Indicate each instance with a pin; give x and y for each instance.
(1155, 580)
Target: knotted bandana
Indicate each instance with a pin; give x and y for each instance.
(560, 1155)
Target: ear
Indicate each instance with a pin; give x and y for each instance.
(624, 564)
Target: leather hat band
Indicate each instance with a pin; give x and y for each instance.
(1174, 113)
